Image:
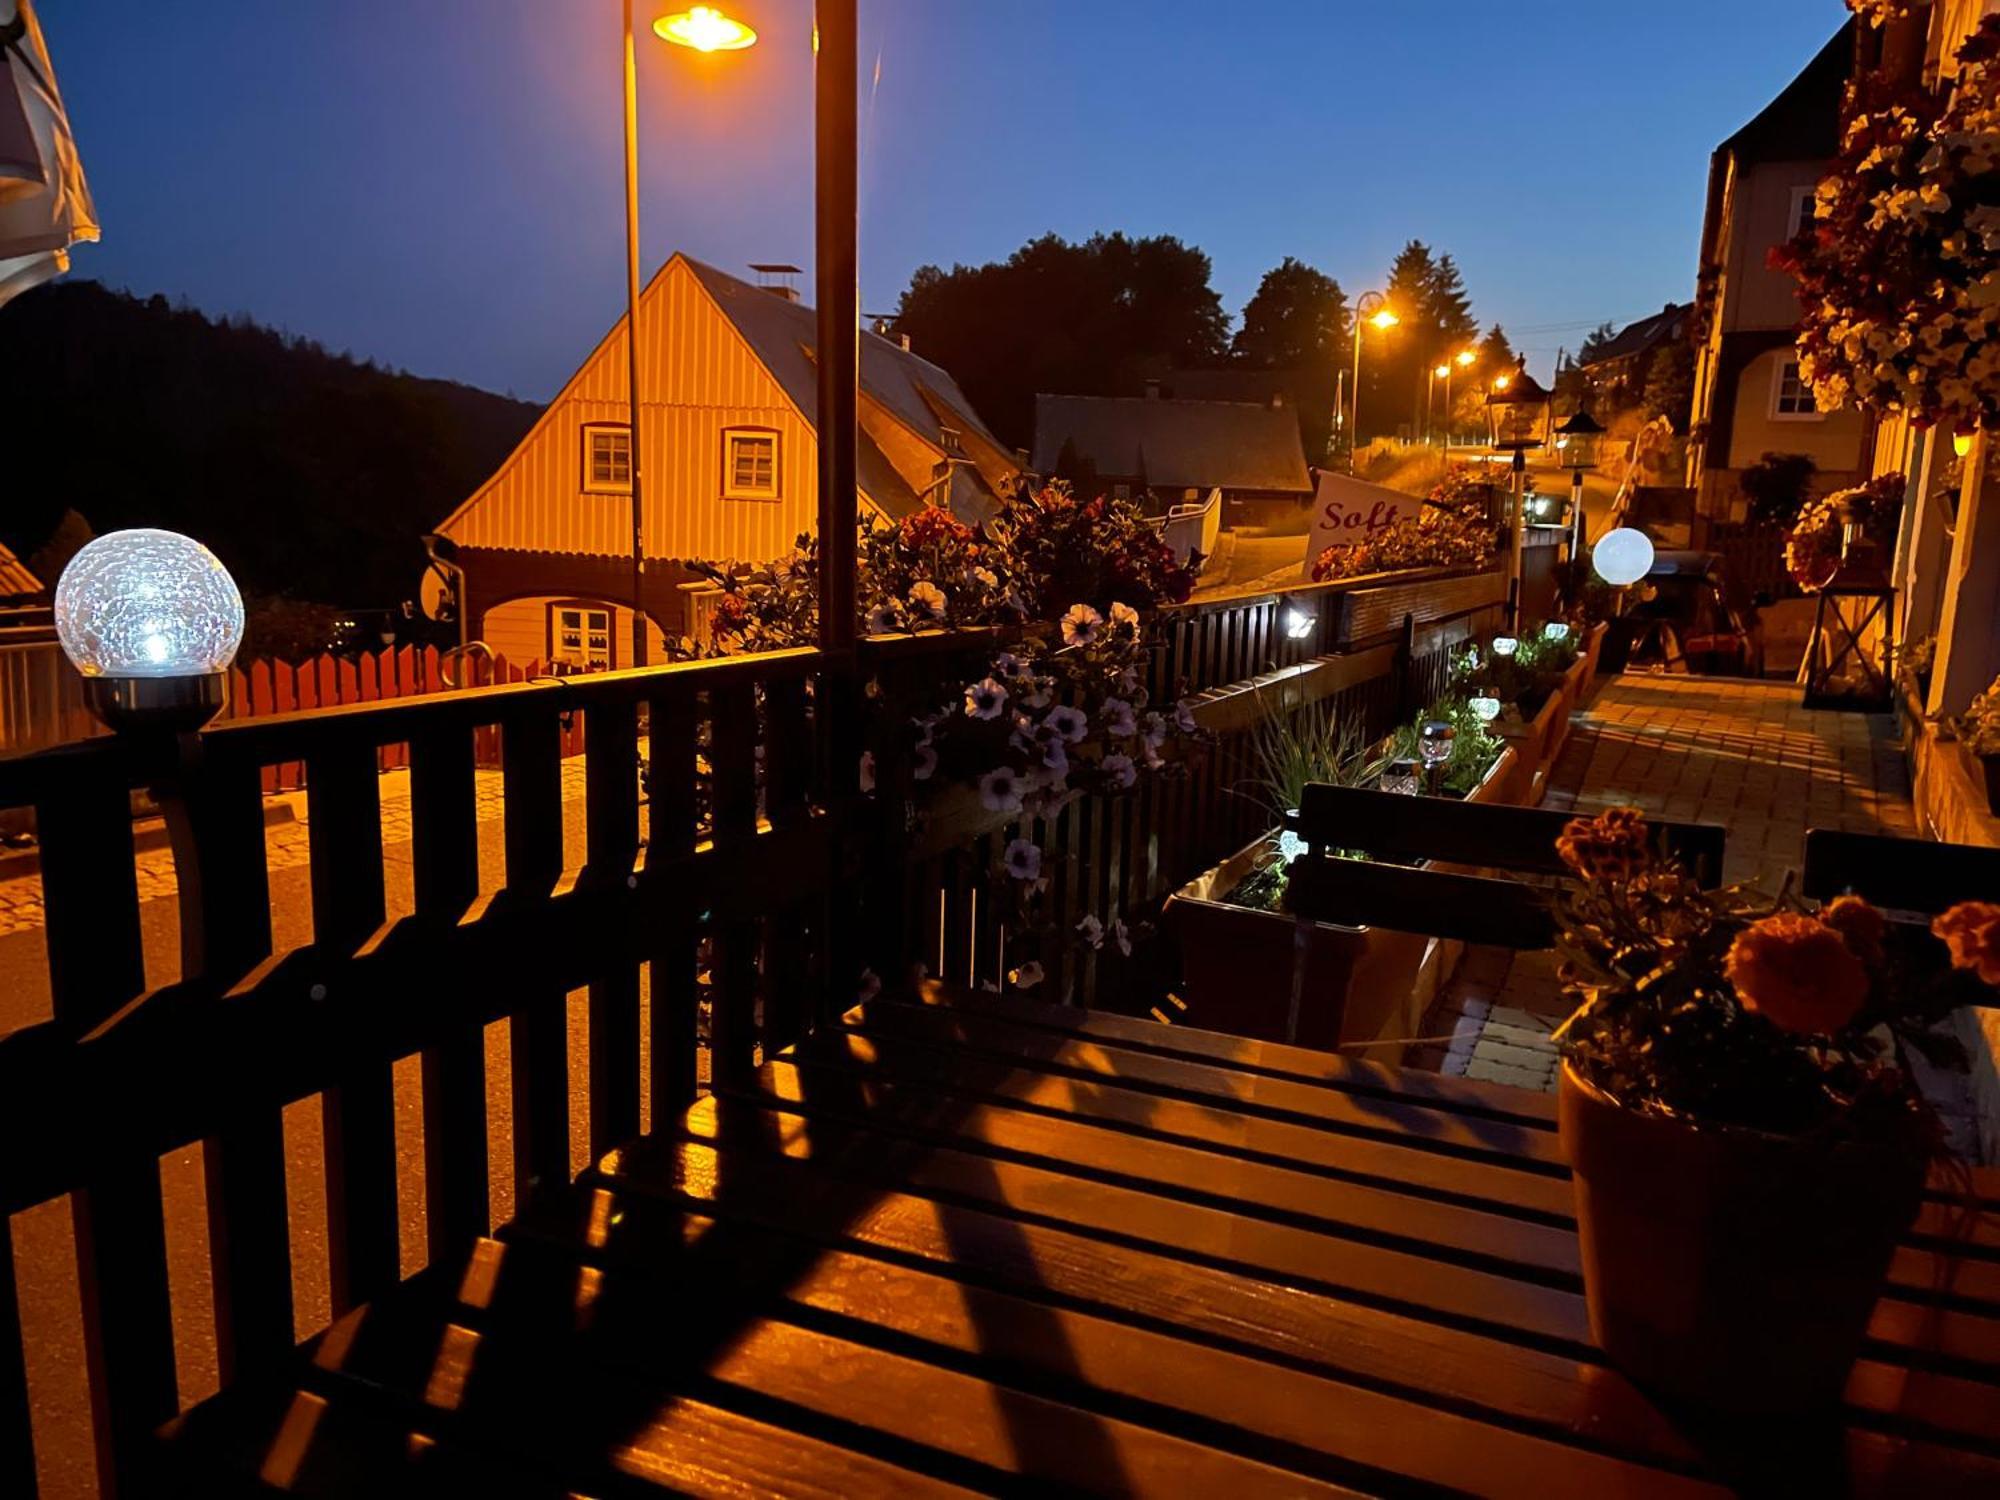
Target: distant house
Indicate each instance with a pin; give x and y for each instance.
(16, 582)
(730, 467)
(1749, 399)
(1175, 451)
(1616, 374)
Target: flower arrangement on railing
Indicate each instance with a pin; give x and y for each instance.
(1813, 546)
(1882, 12)
(1439, 538)
(1899, 271)
(1058, 709)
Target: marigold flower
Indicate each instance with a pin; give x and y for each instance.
(1797, 973)
(1611, 846)
(1971, 930)
(1861, 924)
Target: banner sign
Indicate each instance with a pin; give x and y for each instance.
(1348, 510)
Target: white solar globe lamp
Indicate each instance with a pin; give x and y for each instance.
(1505, 645)
(152, 620)
(1557, 630)
(1622, 557)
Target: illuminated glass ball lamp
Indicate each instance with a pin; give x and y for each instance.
(1622, 557)
(152, 620)
(1556, 630)
(1505, 645)
(1486, 705)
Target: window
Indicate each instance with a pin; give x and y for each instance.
(750, 464)
(1791, 398)
(607, 458)
(579, 638)
(1801, 213)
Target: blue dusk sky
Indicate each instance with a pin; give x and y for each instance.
(437, 184)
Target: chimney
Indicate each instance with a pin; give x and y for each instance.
(1152, 390)
(775, 277)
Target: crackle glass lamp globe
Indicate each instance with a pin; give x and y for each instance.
(1622, 557)
(1556, 630)
(152, 620)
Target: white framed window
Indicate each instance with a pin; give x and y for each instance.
(749, 463)
(607, 458)
(1791, 398)
(579, 638)
(1800, 214)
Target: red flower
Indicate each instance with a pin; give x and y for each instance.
(1797, 973)
(1971, 930)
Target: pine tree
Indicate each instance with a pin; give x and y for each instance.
(1496, 355)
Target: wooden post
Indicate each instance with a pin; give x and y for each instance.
(835, 272)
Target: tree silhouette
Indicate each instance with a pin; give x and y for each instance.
(1298, 321)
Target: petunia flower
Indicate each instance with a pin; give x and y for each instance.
(927, 602)
(1081, 625)
(1119, 770)
(1092, 932)
(984, 699)
(1069, 722)
(1023, 860)
(1000, 789)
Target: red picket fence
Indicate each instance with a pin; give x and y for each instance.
(264, 687)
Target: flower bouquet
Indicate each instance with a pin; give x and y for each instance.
(1740, 1108)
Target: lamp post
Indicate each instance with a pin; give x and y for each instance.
(1370, 308)
(1442, 372)
(1577, 441)
(1463, 360)
(705, 29)
(1518, 410)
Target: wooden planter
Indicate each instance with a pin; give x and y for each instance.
(1539, 743)
(1728, 1268)
(1363, 985)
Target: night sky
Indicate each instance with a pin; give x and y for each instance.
(438, 183)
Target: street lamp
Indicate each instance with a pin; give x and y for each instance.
(1518, 411)
(1577, 442)
(1442, 372)
(1371, 308)
(705, 29)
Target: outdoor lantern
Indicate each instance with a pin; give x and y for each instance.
(1577, 440)
(1486, 704)
(1518, 411)
(152, 620)
(1556, 630)
(1622, 557)
(1505, 645)
(1434, 744)
(1299, 624)
(1402, 777)
(1854, 635)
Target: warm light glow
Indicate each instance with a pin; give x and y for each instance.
(1385, 319)
(1442, 372)
(1961, 443)
(1466, 357)
(1622, 557)
(1299, 624)
(1501, 382)
(705, 29)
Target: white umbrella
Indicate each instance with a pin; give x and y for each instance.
(44, 203)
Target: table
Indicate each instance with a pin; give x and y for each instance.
(955, 1245)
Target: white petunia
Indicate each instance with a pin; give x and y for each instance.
(984, 699)
(1119, 770)
(1000, 789)
(1081, 625)
(926, 602)
(1068, 722)
(1092, 932)
(1118, 720)
(1023, 860)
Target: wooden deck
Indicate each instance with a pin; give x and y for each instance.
(1020, 1249)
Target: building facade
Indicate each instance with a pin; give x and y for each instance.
(1749, 399)
(542, 550)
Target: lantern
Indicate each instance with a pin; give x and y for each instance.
(1518, 411)
(1854, 635)
(152, 620)
(1577, 440)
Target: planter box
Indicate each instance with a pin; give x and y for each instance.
(1539, 743)
(1363, 985)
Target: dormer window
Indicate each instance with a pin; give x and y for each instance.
(951, 442)
(607, 458)
(749, 463)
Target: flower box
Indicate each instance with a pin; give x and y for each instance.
(1362, 984)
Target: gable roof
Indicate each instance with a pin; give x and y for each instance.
(1643, 336)
(1803, 122)
(1174, 444)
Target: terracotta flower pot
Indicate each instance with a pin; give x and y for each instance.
(1728, 1268)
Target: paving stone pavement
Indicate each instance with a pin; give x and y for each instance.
(1722, 750)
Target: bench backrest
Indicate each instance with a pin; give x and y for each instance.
(1906, 874)
(1443, 903)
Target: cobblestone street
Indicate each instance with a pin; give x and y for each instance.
(1742, 754)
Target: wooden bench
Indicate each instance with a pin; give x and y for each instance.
(1913, 875)
(980, 1246)
(1395, 889)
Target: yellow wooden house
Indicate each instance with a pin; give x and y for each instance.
(727, 382)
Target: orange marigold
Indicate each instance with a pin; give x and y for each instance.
(1858, 922)
(1971, 930)
(1610, 846)
(1797, 973)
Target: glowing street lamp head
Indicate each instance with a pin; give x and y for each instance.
(1442, 371)
(1385, 319)
(1501, 382)
(1465, 357)
(1961, 443)
(705, 29)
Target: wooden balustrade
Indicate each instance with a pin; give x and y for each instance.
(724, 899)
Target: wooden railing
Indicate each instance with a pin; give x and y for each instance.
(721, 880)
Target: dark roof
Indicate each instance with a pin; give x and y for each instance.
(1262, 387)
(1803, 122)
(1174, 444)
(782, 334)
(1645, 335)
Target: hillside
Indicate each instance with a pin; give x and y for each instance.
(310, 474)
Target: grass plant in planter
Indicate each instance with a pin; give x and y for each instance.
(1741, 1114)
